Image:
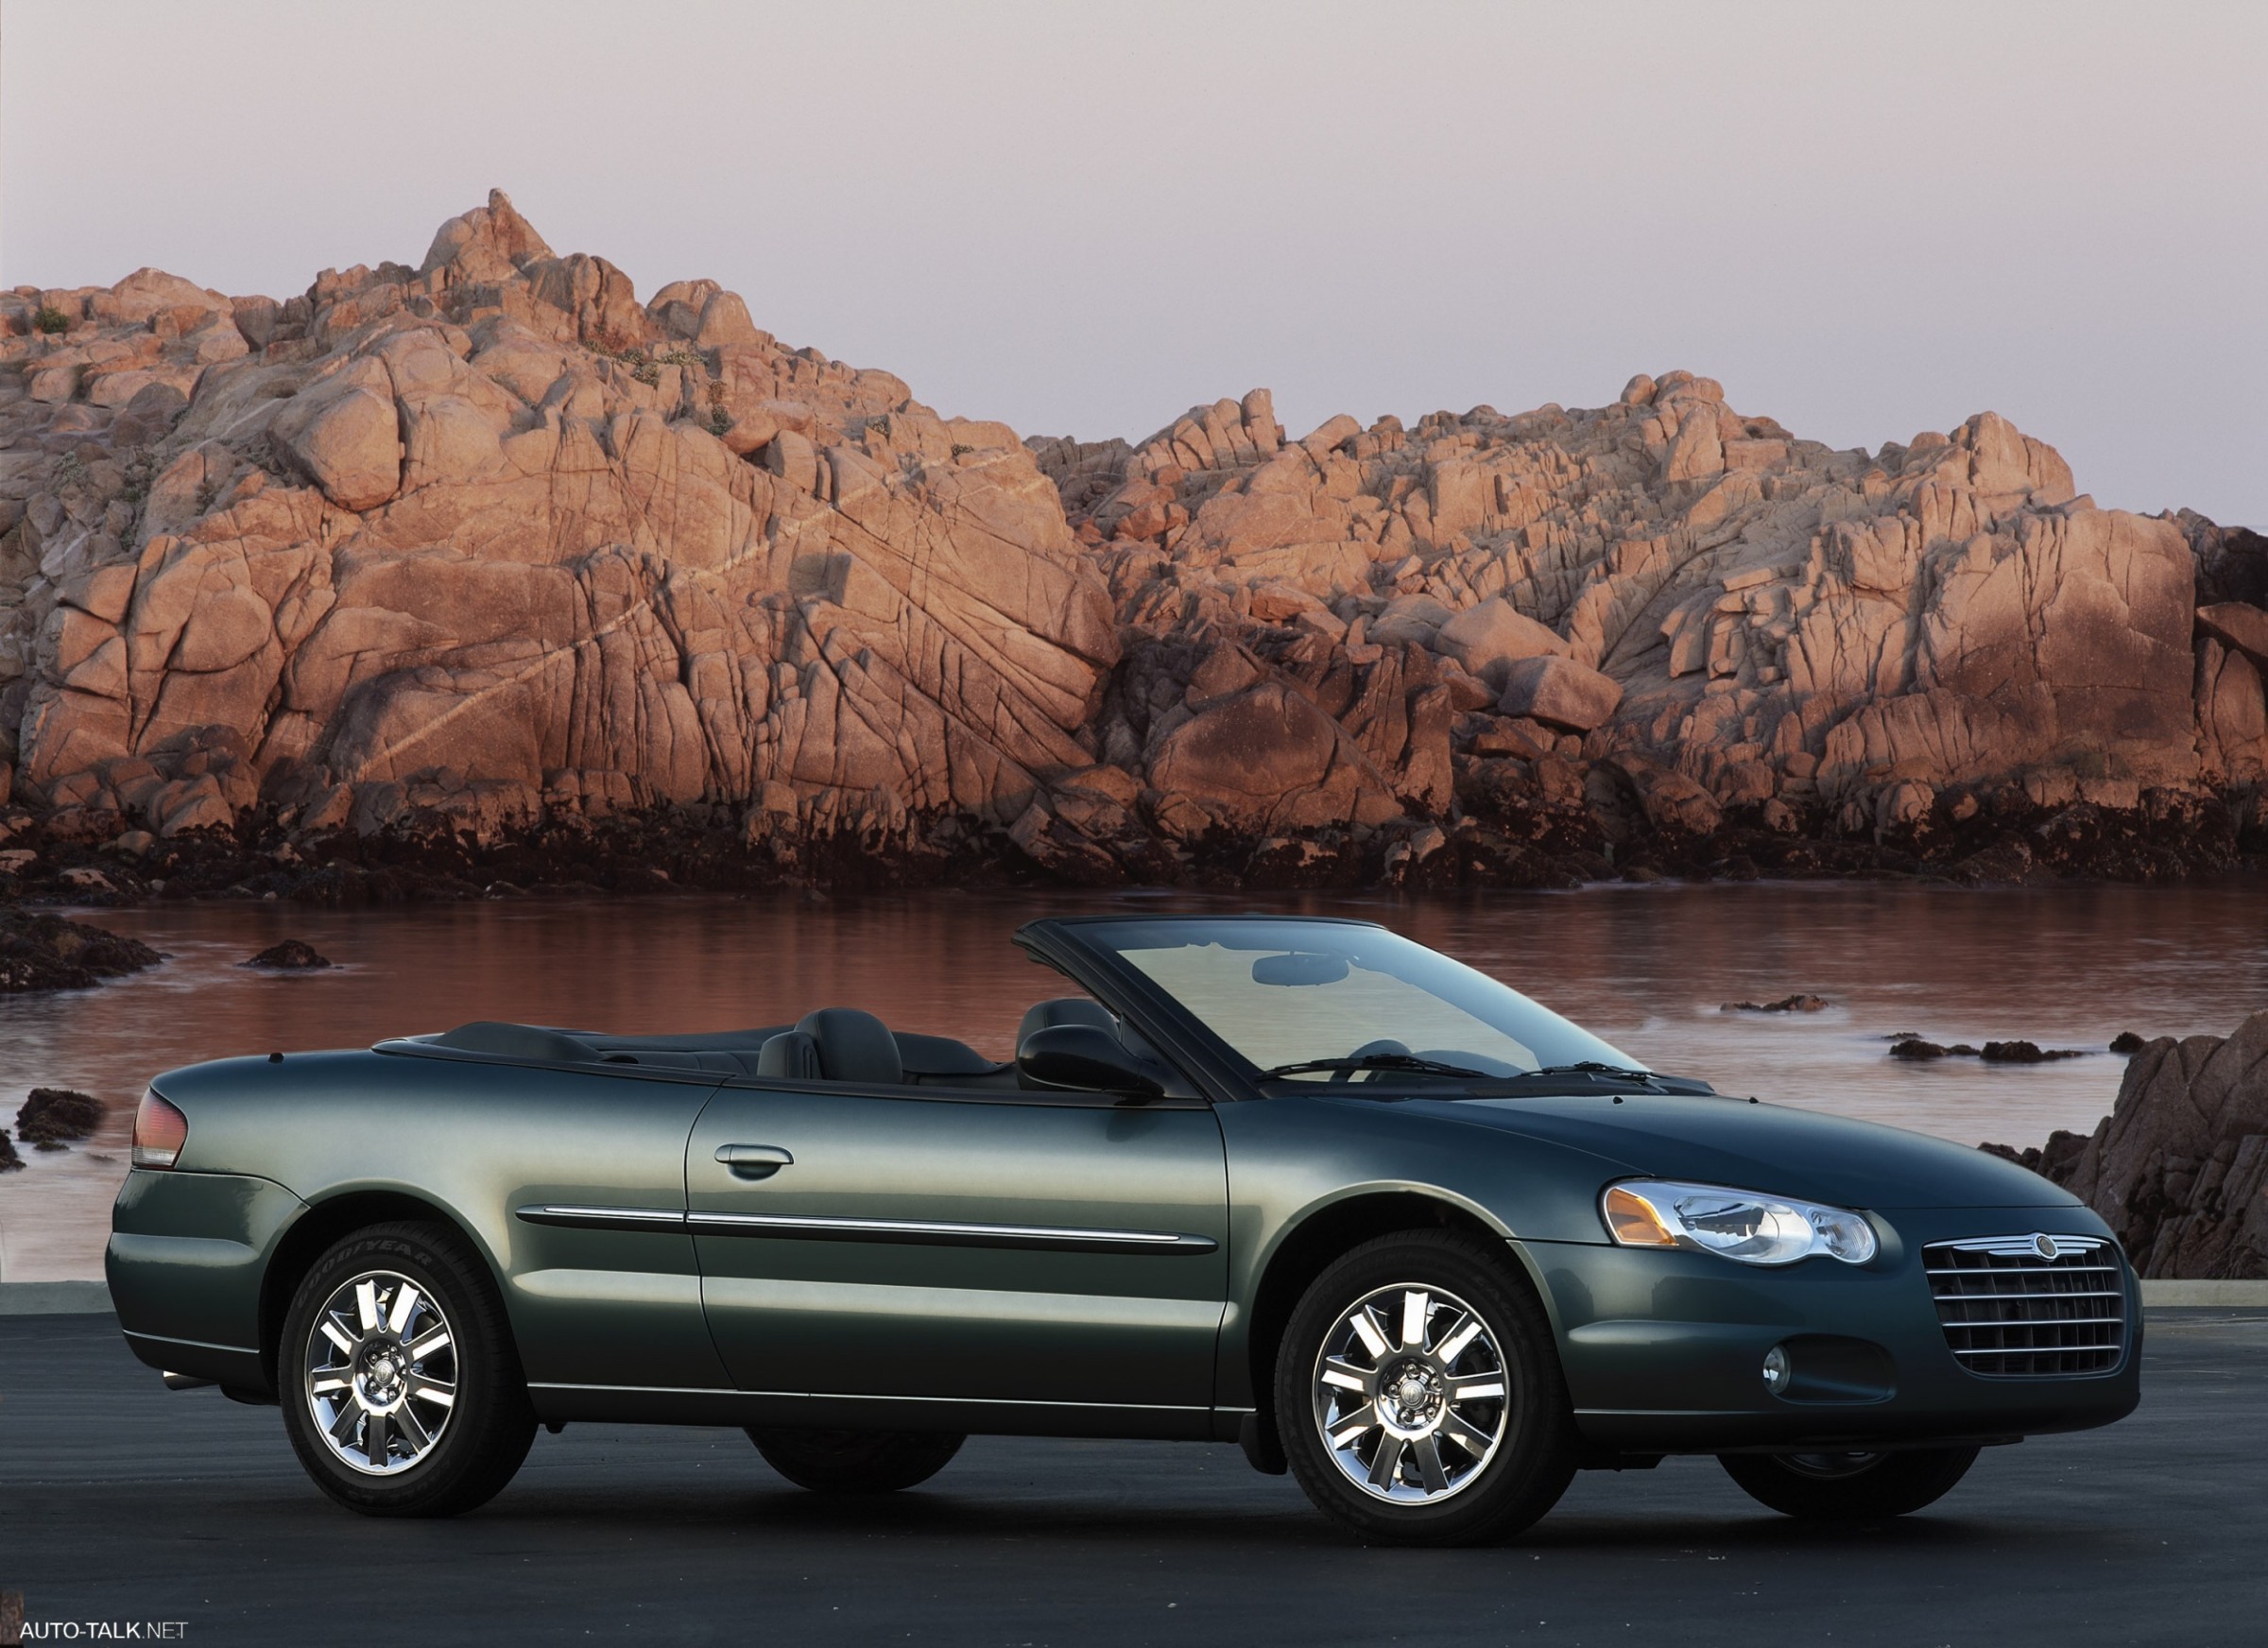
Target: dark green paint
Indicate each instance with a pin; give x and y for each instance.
(683, 1323)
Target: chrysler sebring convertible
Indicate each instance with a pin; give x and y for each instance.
(1296, 1183)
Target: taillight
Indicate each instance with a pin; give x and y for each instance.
(160, 1131)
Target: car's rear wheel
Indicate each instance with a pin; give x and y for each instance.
(855, 1462)
(1849, 1487)
(1419, 1397)
(401, 1388)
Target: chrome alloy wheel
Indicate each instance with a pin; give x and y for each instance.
(381, 1373)
(1412, 1397)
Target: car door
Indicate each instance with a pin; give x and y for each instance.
(972, 1244)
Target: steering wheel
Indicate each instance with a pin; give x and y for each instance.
(1386, 1044)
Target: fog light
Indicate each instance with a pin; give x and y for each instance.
(1775, 1369)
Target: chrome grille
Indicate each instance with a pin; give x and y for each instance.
(2030, 1307)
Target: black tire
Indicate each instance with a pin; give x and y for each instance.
(475, 1444)
(855, 1462)
(1533, 1445)
(1849, 1487)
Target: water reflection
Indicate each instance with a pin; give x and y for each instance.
(1645, 967)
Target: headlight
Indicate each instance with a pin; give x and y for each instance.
(1740, 1225)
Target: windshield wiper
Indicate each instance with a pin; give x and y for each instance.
(1588, 1067)
(1408, 1063)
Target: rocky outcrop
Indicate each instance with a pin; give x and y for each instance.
(39, 952)
(486, 541)
(486, 550)
(56, 1116)
(2179, 1168)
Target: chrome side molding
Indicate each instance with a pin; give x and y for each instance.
(930, 1233)
(948, 1234)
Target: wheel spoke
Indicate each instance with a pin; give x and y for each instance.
(1351, 1426)
(1340, 1372)
(1386, 1464)
(339, 1336)
(1428, 1455)
(326, 1385)
(1463, 1333)
(365, 1305)
(1367, 1330)
(1416, 1306)
(415, 1437)
(438, 1392)
(343, 1424)
(373, 1439)
(1478, 1389)
(1465, 1433)
(437, 1343)
(406, 1303)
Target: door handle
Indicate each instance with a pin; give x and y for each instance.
(754, 1161)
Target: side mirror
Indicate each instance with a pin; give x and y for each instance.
(1086, 1058)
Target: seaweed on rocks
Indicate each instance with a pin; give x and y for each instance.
(292, 956)
(44, 951)
(58, 1116)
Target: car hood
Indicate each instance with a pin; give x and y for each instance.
(1772, 1148)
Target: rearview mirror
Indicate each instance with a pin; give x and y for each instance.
(1086, 1058)
(1298, 967)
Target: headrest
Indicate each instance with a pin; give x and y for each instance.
(854, 1046)
(1062, 1010)
(791, 1055)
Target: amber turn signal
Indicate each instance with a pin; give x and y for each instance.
(160, 1131)
(1634, 1222)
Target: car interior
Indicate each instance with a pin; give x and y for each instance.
(831, 1044)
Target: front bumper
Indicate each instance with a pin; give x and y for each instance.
(1663, 1351)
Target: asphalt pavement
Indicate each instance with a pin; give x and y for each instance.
(121, 1502)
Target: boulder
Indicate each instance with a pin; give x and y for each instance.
(58, 1116)
(345, 437)
(2238, 625)
(1559, 692)
(2179, 1168)
(1245, 754)
(291, 955)
(1489, 637)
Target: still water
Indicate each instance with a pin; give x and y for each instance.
(1647, 967)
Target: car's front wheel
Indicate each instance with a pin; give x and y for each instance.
(1849, 1487)
(400, 1383)
(855, 1462)
(1419, 1397)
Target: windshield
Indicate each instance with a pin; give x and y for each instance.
(1364, 1002)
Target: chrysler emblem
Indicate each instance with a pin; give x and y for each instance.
(2044, 1246)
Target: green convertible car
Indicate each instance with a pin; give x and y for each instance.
(1297, 1183)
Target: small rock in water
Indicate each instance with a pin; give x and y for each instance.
(293, 954)
(2125, 1042)
(1905, 1044)
(10, 1160)
(52, 1115)
(1799, 1002)
(2025, 1052)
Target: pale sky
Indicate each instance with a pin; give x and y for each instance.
(1865, 221)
